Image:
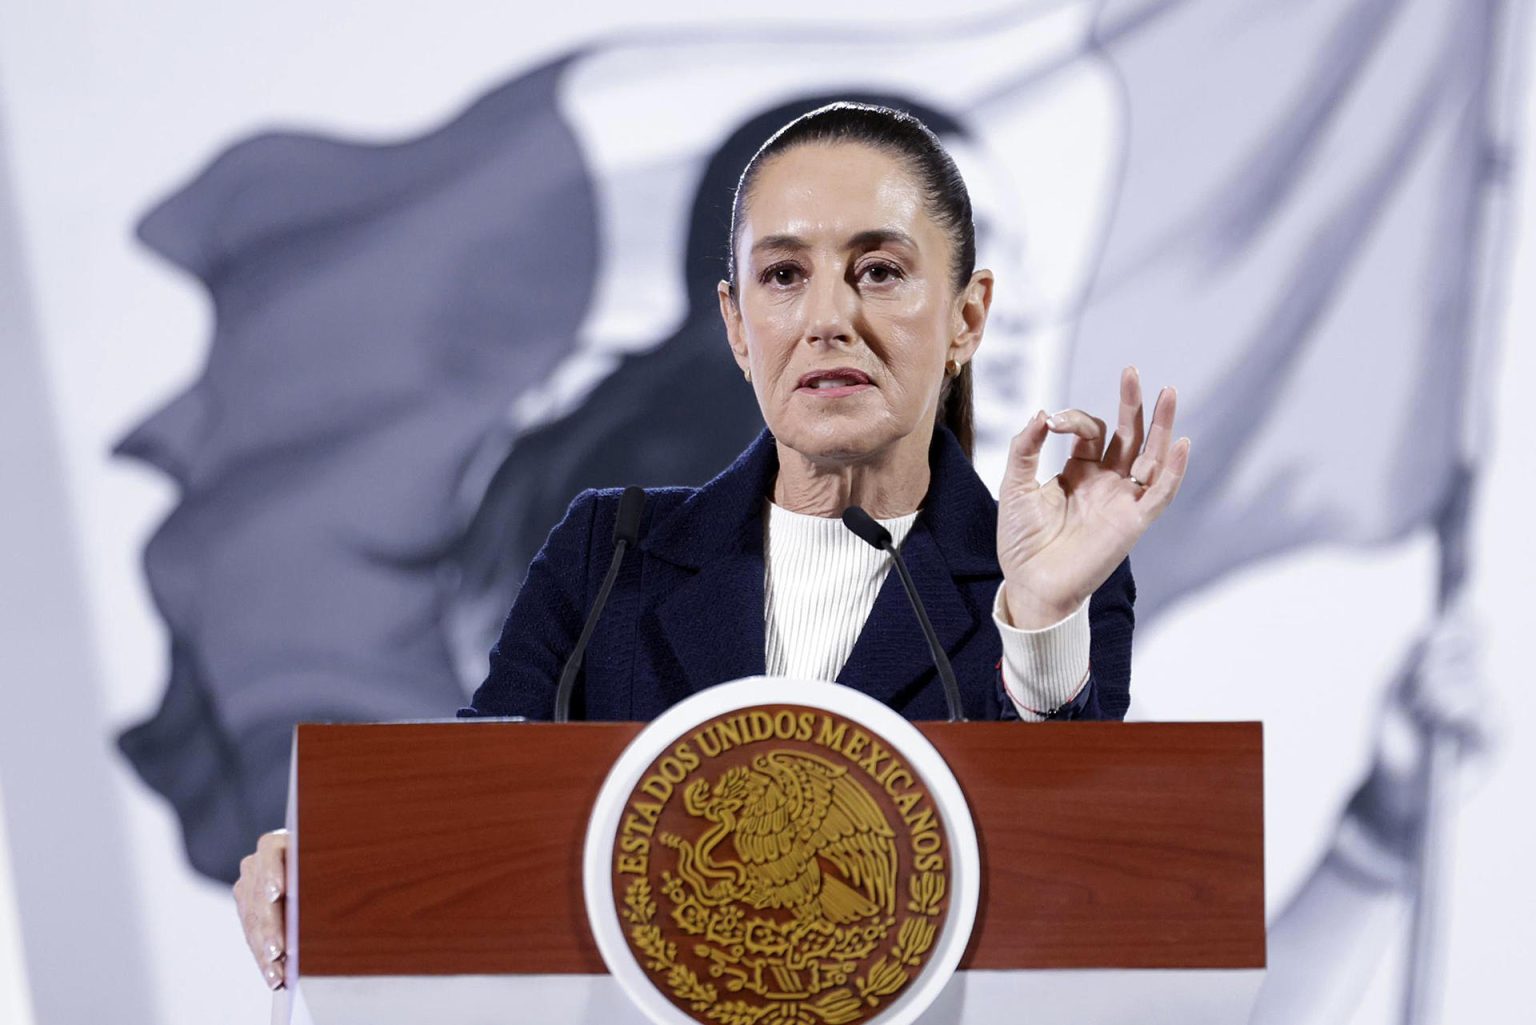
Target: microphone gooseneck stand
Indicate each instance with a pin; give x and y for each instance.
(864, 525)
(626, 531)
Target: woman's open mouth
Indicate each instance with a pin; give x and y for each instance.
(834, 383)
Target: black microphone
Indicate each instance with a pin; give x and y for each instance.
(864, 525)
(626, 531)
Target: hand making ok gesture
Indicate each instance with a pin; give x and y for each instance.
(1058, 541)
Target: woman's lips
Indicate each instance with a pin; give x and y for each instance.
(834, 383)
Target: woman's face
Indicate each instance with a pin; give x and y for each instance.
(846, 311)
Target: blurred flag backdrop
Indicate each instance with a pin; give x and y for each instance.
(421, 349)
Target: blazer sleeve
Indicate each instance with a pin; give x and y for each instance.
(1111, 621)
(544, 622)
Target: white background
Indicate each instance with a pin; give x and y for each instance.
(105, 107)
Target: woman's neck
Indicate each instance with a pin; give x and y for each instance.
(889, 484)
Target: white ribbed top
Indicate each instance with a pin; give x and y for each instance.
(820, 584)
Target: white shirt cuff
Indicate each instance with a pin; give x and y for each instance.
(1046, 668)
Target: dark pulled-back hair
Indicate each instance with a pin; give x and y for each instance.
(949, 204)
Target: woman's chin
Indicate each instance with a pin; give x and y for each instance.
(838, 439)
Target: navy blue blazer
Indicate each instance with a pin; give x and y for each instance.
(686, 611)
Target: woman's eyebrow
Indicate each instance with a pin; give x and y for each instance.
(875, 238)
(779, 242)
(870, 238)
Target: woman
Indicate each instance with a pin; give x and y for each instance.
(853, 307)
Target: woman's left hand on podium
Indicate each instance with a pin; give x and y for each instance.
(260, 896)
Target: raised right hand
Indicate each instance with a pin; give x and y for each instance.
(1059, 541)
(259, 894)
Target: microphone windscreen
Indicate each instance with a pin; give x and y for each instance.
(864, 525)
(626, 525)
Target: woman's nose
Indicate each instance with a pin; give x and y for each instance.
(829, 310)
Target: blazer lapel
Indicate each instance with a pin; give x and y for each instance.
(891, 655)
(713, 619)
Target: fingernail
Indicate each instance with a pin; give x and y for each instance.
(274, 978)
(273, 893)
(273, 952)
(1054, 420)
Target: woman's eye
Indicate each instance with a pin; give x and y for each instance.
(881, 273)
(784, 274)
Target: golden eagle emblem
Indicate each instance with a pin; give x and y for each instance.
(807, 837)
(780, 885)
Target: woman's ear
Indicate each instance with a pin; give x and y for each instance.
(970, 316)
(730, 312)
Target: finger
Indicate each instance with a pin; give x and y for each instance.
(261, 921)
(264, 875)
(1090, 432)
(263, 925)
(1159, 437)
(1130, 431)
(272, 864)
(1024, 453)
(1169, 475)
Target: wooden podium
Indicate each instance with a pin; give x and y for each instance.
(435, 873)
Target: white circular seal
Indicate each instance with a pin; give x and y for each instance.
(910, 750)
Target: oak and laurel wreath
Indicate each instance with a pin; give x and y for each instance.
(838, 1007)
(913, 939)
(661, 955)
